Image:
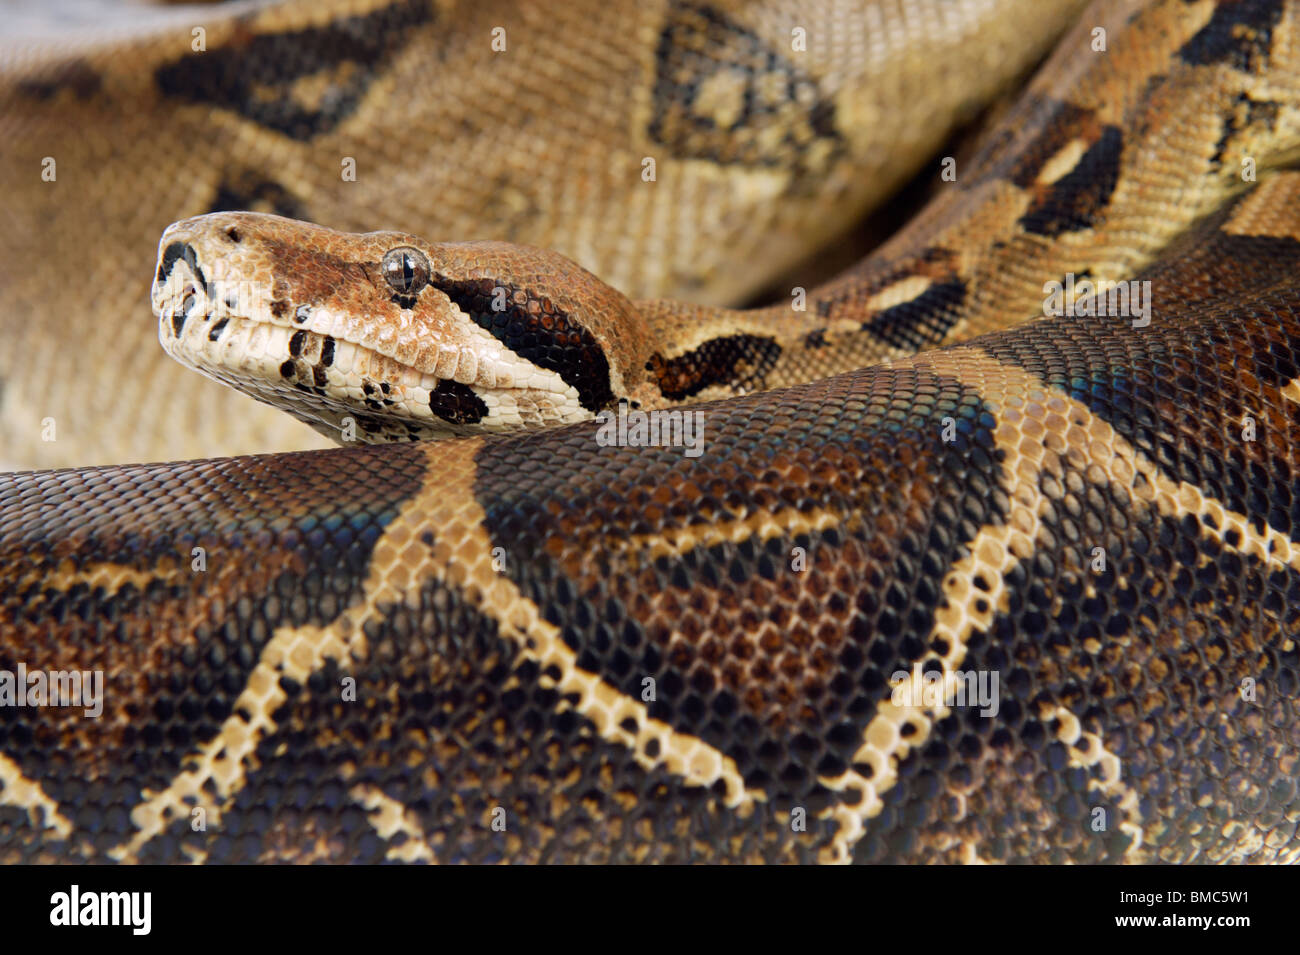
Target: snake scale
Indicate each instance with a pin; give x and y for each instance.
(915, 478)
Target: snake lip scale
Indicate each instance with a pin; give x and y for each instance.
(952, 574)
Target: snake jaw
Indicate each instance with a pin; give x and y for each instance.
(321, 338)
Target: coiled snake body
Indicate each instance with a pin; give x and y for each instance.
(550, 645)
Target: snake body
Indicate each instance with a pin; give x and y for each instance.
(443, 134)
(541, 646)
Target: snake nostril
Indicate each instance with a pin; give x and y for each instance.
(233, 234)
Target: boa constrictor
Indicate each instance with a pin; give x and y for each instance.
(418, 115)
(1029, 595)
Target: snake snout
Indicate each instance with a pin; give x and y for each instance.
(178, 286)
(199, 278)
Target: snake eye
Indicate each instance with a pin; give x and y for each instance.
(406, 270)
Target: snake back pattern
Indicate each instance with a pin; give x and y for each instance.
(479, 632)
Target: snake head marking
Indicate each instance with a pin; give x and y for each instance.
(426, 340)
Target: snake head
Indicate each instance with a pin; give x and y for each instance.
(382, 336)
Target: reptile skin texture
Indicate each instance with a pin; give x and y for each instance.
(540, 647)
(542, 143)
(479, 690)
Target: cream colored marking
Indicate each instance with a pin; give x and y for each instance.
(1289, 856)
(1066, 158)
(1249, 840)
(111, 576)
(389, 817)
(970, 855)
(400, 564)
(995, 550)
(195, 855)
(721, 98)
(1291, 390)
(462, 555)
(676, 541)
(786, 522)
(1269, 208)
(295, 652)
(17, 790)
(896, 293)
(1037, 429)
(1069, 732)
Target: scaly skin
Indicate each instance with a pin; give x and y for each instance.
(1109, 157)
(540, 647)
(542, 143)
(390, 649)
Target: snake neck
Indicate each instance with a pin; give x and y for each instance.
(701, 353)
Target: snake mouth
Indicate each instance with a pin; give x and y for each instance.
(346, 391)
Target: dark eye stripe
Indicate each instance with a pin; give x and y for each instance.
(538, 331)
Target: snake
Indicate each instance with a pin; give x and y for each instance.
(773, 128)
(984, 550)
